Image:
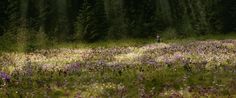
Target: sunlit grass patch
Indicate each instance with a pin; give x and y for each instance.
(195, 69)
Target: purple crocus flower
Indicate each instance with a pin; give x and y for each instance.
(151, 62)
(73, 67)
(4, 76)
(178, 56)
(167, 61)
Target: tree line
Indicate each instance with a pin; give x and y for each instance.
(92, 20)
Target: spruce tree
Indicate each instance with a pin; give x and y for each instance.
(3, 16)
(92, 22)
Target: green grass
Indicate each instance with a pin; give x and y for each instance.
(31, 80)
(201, 38)
(108, 82)
(106, 43)
(118, 43)
(139, 42)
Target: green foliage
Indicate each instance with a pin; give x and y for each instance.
(7, 42)
(140, 17)
(91, 23)
(3, 16)
(13, 14)
(37, 40)
(93, 20)
(116, 19)
(169, 33)
(228, 15)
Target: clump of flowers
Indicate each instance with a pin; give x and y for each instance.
(5, 77)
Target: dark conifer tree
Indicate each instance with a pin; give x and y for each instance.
(140, 17)
(92, 21)
(3, 16)
(228, 15)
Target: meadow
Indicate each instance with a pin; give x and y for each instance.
(111, 49)
(170, 69)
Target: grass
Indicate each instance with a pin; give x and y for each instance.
(107, 43)
(123, 69)
(128, 83)
(140, 42)
(120, 43)
(202, 38)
